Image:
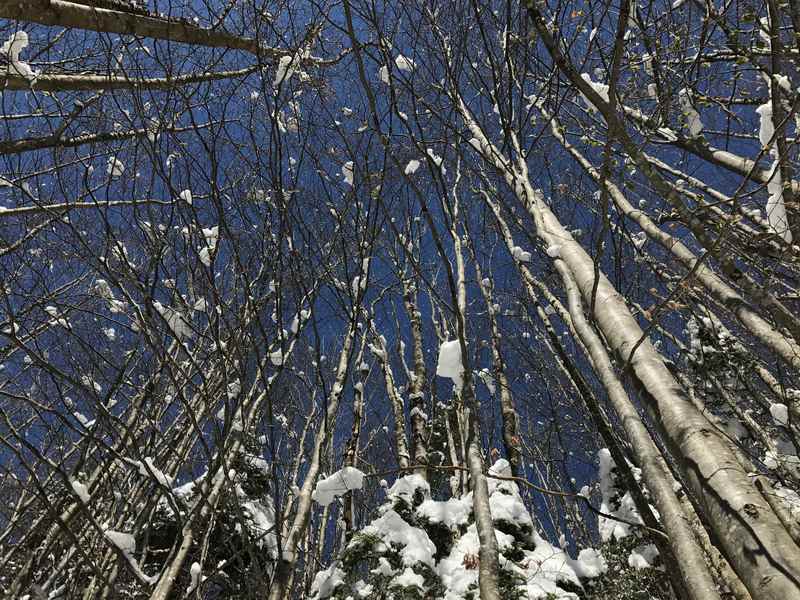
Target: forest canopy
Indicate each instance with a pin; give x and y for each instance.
(399, 299)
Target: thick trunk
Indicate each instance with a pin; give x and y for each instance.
(784, 347)
(688, 555)
(52, 82)
(79, 16)
(754, 539)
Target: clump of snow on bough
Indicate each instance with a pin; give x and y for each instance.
(338, 484)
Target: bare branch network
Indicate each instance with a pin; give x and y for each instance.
(399, 300)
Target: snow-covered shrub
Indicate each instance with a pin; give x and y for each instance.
(627, 577)
(418, 547)
(724, 374)
(634, 568)
(242, 544)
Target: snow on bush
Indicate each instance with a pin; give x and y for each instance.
(419, 547)
(616, 501)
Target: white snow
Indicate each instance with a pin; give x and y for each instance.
(502, 468)
(285, 70)
(520, 254)
(509, 508)
(124, 541)
(783, 82)
(326, 582)
(347, 172)
(205, 256)
(211, 235)
(412, 167)
(383, 568)
(81, 491)
(409, 578)
(553, 251)
(338, 484)
(488, 380)
(449, 364)
(643, 556)
(404, 64)
(194, 572)
(115, 168)
(775, 209)
(437, 160)
(600, 89)
(541, 568)
(17, 42)
(623, 507)
(690, 114)
(590, 563)
(454, 576)
(405, 488)
(276, 357)
(261, 522)
(175, 320)
(364, 590)
(452, 512)
(153, 471)
(416, 546)
(383, 74)
(766, 126)
(546, 566)
(780, 413)
(186, 196)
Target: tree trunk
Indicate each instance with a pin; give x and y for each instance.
(754, 540)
